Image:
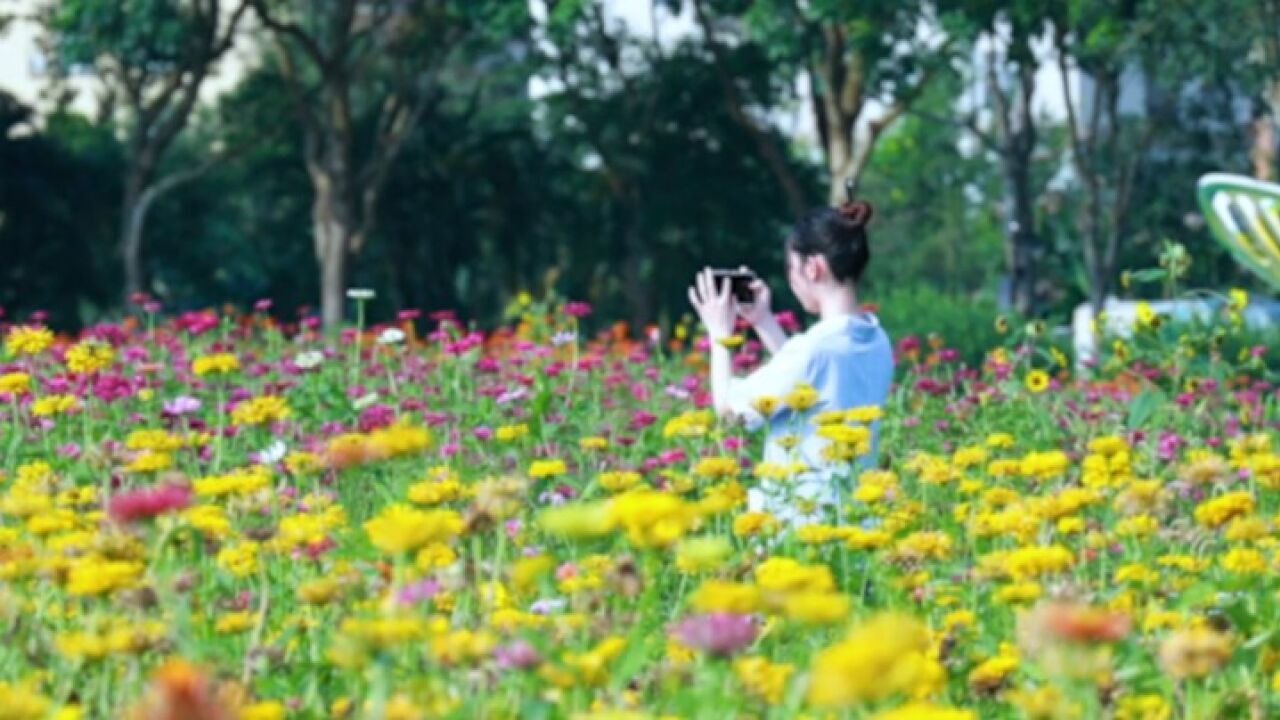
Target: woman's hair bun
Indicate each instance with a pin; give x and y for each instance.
(858, 212)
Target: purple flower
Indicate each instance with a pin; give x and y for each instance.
(517, 654)
(718, 633)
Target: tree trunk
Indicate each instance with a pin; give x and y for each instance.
(333, 227)
(131, 221)
(1020, 235)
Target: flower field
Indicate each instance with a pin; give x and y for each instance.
(222, 516)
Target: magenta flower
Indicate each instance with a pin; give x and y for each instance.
(577, 308)
(149, 502)
(718, 633)
(376, 416)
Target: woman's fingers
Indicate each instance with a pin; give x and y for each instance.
(694, 300)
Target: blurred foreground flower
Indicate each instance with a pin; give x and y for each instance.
(144, 503)
(181, 691)
(717, 633)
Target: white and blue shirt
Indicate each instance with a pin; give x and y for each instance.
(848, 360)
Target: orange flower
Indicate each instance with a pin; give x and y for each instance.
(1083, 624)
(182, 691)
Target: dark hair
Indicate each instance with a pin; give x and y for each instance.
(837, 234)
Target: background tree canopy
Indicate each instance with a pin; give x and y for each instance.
(635, 162)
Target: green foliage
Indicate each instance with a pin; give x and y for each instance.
(921, 310)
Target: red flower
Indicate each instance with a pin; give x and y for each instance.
(149, 502)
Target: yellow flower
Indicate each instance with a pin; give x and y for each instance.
(702, 554)
(886, 655)
(1218, 511)
(925, 711)
(28, 340)
(261, 410)
(215, 364)
(51, 405)
(1238, 299)
(1037, 381)
(1195, 652)
(817, 608)
(22, 702)
(239, 560)
(401, 528)
(15, 383)
(94, 576)
(235, 622)
(619, 480)
(754, 523)
(161, 440)
(726, 596)
(244, 481)
(651, 518)
(803, 397)
(786, 575)
(90, 356)
(319, 591)
(763, 679)
(266, 710)
(507, 433)
(150, 461)
(1143, 707)
(766, 405)
(1244, 561)
(578, 520)
(547, 468)
(717, 467)
(593, 443)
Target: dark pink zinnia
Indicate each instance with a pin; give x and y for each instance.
(143, 503)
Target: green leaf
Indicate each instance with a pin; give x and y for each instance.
(1148, 275)
(1143, 407)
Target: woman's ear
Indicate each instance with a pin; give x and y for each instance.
(815, 268)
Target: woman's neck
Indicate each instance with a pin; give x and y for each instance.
(838, 302)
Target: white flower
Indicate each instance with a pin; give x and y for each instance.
(360, 293)
(364, 401)
(273, 453)
(391, 336)
(308, 359)
(564, 337)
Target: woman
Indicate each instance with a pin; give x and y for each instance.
(845, 357)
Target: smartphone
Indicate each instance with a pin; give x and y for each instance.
(741, 283)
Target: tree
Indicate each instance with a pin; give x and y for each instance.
(1097, 41)
(155, 55)
(667, 179)
(343, 61)
(865, 62)
(1004, 65)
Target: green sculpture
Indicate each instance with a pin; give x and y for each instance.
(1244, 214)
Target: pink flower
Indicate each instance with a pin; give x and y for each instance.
(577, 308)
(149, 502)
(719, 633)
(517, 654)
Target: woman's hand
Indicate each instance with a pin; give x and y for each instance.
(761, 308)
(715, 305)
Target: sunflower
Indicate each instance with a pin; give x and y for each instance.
(1037, 381)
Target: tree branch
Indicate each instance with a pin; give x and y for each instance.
(765, 143)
